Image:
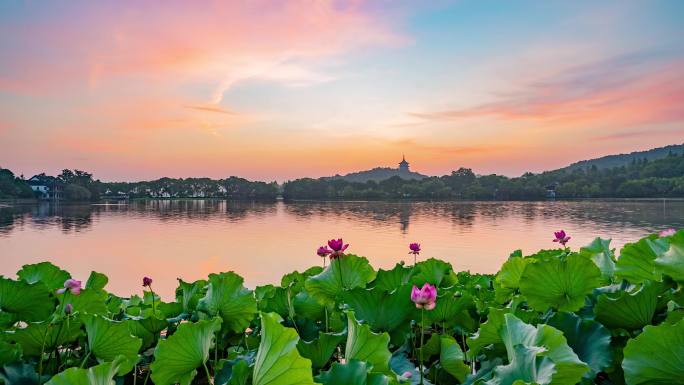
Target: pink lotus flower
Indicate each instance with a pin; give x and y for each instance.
(323, 251)
(72, 285)
(667, 232)
(425, 297)
(415, 248)
(147, 281)
(561, 237)
(68, 308)
(338, 247)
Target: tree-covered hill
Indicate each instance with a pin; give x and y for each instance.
(378, 174)
(618, 160)
(640, 178)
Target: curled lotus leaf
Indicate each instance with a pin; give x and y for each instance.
(560, 283)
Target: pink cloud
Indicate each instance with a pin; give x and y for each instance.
(599, 95)
(217, 44)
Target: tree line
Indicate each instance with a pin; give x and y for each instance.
(641, 178)
(77, 185)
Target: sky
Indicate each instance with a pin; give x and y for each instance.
(277, 90)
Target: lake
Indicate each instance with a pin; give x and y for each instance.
(189, 239)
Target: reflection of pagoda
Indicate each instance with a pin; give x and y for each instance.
(403, 165)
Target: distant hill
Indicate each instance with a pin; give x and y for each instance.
(625, 159)
(377, 174)
(380, 173)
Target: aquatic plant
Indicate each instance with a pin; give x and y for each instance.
(338, 247)
(558, 316)
(415, 250)
(561, 237)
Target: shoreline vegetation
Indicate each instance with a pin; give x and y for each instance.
(566, 315)
(640, 178)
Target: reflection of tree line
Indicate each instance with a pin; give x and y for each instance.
(74, 218)
(71, 218)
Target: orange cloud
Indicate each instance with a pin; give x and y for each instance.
(219, 45)
(600, 95)
(210, 108)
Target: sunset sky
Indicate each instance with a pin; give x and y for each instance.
(275, 90)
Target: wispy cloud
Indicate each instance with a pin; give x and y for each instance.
(451, 150)
(639, 87)
(210, 108)
(644, 133)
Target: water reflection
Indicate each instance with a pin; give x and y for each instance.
(261, 241)
(651, 215)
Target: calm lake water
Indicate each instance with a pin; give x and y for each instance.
(262, 241)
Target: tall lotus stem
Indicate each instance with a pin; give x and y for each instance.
(425, 298)
(147, 282)
(415, 250)
(422, 338)
(206, 370)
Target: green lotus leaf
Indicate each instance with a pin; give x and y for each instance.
(277, 361)
(21, 301)
(671, 262)
(430, 348)
(599, 251)
(46, 337)
(511, 271)
(321, 349)
(189, 293)
(389, 280)
(52, 276)
(307, 306)
(559, 283)
(147, 329)
(109, 339)
(588, 339)
(9, 353)
(364, 345)
(96, 281)
(637, 260)
(90, 301)
(489, 332)
(656, 356)
(538, 355)
(546, 255)
(345, 273)
(177, 358)
(354, 372)
(628, 309)
(382, 310)
(525, 367)
(296, 280)
(228, 298)
(20, 373)
(431, 271)
(165, 310)
(400, 364)
(451, 358)
(452, 310)
(233, 372)
(102, 374)
(277, 300)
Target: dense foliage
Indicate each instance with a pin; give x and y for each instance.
(229, 188)
(639, 179)
(555, 317)
(12, 186)
(77, 185)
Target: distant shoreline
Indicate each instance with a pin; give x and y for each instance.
(10, 203)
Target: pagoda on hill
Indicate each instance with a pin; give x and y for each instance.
(403, 165)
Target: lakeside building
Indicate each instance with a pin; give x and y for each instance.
(46, 187)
